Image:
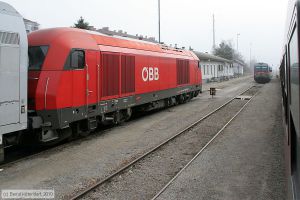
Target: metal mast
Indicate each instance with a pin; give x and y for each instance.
(159, 21)
(214, 33)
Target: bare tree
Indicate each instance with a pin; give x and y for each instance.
(226, 50)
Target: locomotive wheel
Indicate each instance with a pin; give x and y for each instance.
(185, 98)
(119, 118)
(79, 129)
(181, 99)
(63, 134)
(1, 153)
(84, 133)
(127, 114)
(189, 97)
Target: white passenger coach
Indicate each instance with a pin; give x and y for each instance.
(13, 74)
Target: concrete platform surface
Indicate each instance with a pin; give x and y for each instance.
(245, 162)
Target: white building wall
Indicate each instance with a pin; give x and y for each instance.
(209, 70)
(238, 69)
(213, 70)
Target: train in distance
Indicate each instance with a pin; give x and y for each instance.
(262, 73)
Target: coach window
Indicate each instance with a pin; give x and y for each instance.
(75, 60)
(294, 73)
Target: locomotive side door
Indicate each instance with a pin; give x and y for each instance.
(91, 79)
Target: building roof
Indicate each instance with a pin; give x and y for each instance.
(239, 62)
(206, 56)
(29, 21)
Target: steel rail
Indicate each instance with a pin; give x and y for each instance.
(204, 148)
(98, 183)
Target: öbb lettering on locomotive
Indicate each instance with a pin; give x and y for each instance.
(150, 74)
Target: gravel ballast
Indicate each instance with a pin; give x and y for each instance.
(148, 176)
(245, 162)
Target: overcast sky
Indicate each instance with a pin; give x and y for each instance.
(184, 22)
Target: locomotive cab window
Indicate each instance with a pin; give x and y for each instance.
(75, 60)
(37, 55)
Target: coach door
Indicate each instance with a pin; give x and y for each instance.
(92, 78)
(9, 84)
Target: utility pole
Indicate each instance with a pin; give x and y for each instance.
(250, 55)
(159, 21)
(214, 33)
(237, 42)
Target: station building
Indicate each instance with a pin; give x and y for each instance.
(238, 68)
(215, 68)
(31, 25)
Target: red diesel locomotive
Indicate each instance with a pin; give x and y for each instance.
(79, 79)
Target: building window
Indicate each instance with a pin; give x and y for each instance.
(214, 71)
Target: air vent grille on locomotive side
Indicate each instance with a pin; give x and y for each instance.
(110, 75)
(127, 74)
(183, 72)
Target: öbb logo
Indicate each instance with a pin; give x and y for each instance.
(150, 74)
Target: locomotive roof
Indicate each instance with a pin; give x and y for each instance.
(47, 36)
(260, 64)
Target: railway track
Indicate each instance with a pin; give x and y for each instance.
(19, 154)
(144, 177)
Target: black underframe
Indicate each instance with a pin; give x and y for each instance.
(61, 118)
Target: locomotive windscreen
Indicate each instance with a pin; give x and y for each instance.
(37, 56)
(261, 68)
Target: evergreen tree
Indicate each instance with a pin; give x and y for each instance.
(82, 24)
